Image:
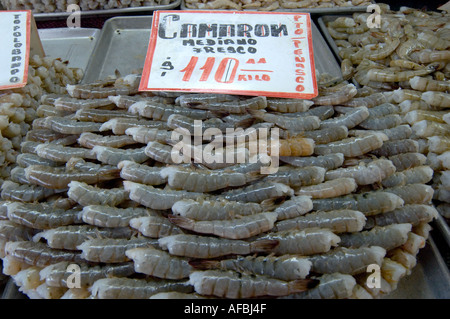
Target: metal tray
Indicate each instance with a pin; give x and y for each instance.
(73, 45)
(322, 21)
(107, 12)
(336, 10)
(124, 40)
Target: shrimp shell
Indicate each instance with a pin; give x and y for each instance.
(296, 177)
(89, 140)
(293, 207)
(27, 159)
(350, 119)
(234, 107)
(111, 250)
(381, 123)
(12, 231)
(331, 188)
(146, 135)
(139, 173)
(56, 275)
(230, 284)
(413, 214)
(338, 221)
(39, 254)
(69, 237)
(427, 84)
(390, 148)
(258, 192)
(65, 103)
(350, 261)
(370, 203)
(41, 215)
(156, 198)
(85, 194)
(415, 175)
(305, 242)
(329, 161)
(119, 125)
(208, 210)
(27, 193)
(363, 174)
(327, 135)
(239, 228)
(341, 96)
(158, 263)
(66, 125)
(407, 160)
(305, 123)
(113, 156)
(288, 105)
(413, 193)
(160, 152)
(331, 286)
(155, 226)
(161, 112)
(129, 288)
(296, 146)
(351, 147)
(387, 237)
(107, 216)
(194, 99)
(211, 247)
(59, 153)
(101, 116)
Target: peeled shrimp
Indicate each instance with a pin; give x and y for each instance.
(327, 189)
(412, 193)
(85, 194)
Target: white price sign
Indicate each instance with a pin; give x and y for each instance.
(247, 53)
(14, 51)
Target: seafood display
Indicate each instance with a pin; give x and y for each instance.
(112, 194)
(270, 5)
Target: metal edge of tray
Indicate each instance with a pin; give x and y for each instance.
(103, 44)
(336, 10)
(107, 12)
(324, 58)
(443, 227)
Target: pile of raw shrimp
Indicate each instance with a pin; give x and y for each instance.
(49, 6)
(98, 206)
(409, 54)
(270, 5)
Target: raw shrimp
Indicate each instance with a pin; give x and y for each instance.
(158, 263)
(139, 173)
(160, 152)
(57, 275)
(18, 175)
(85, 194)
(111, 250)
(331, 286)
(219, 209)
(129, 86)
(286, 267)
(230, 284)
(426, 128)
(59, 153)
(413, 214)
(327, 135)
(419, 115)
(427, 84)
(391, 148)
(350, 261)
(119, 125)
(60, 177)
(407, 160)
(43, 135)
(288, 105)
(414, 175)
(370, 203)
(42, 215)
(430, 56)
(211, 247)
(69, 104)
(338, 221)
(27, 279)
(381, 123)
(181, 122)
(39, 254)
(364, 174)
(195, 99)
(145, 135)
(412, 193)
(67, 125)
(392, 271)
(296, 177)
(12, 231)
(399, 132)
(258, 192)
(203, 181)
(392, 75)
(27, 193)
(155, 226)
(331, 188)
(161, 112)
(101, 116)
(156, 198)
(69, 237)
(89, 140)
(302, 242)
(329, 161)
(233, 107)
(27, 159)
(351, 147)
(295, 146)
(113, 156)
(339, 97)
(387, 237)
(294, 207)
(350, 119)
(130, 288)
(238, 228)
(376, 52)
(107, 216)
(299, 124)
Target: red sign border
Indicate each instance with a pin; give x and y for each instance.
(27, 54)
(143, 86)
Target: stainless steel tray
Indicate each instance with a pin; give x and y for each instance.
(336, 10)
(322, 21)
(124, 40)
(106, 12)
(73, 45)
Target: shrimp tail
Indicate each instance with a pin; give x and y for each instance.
(303, 284)
(181, 221)
(220, 113)
(204, 264)
(269, 204)
(264, 245)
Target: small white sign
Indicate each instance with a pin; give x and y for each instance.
(233, 52)
(14, 50)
